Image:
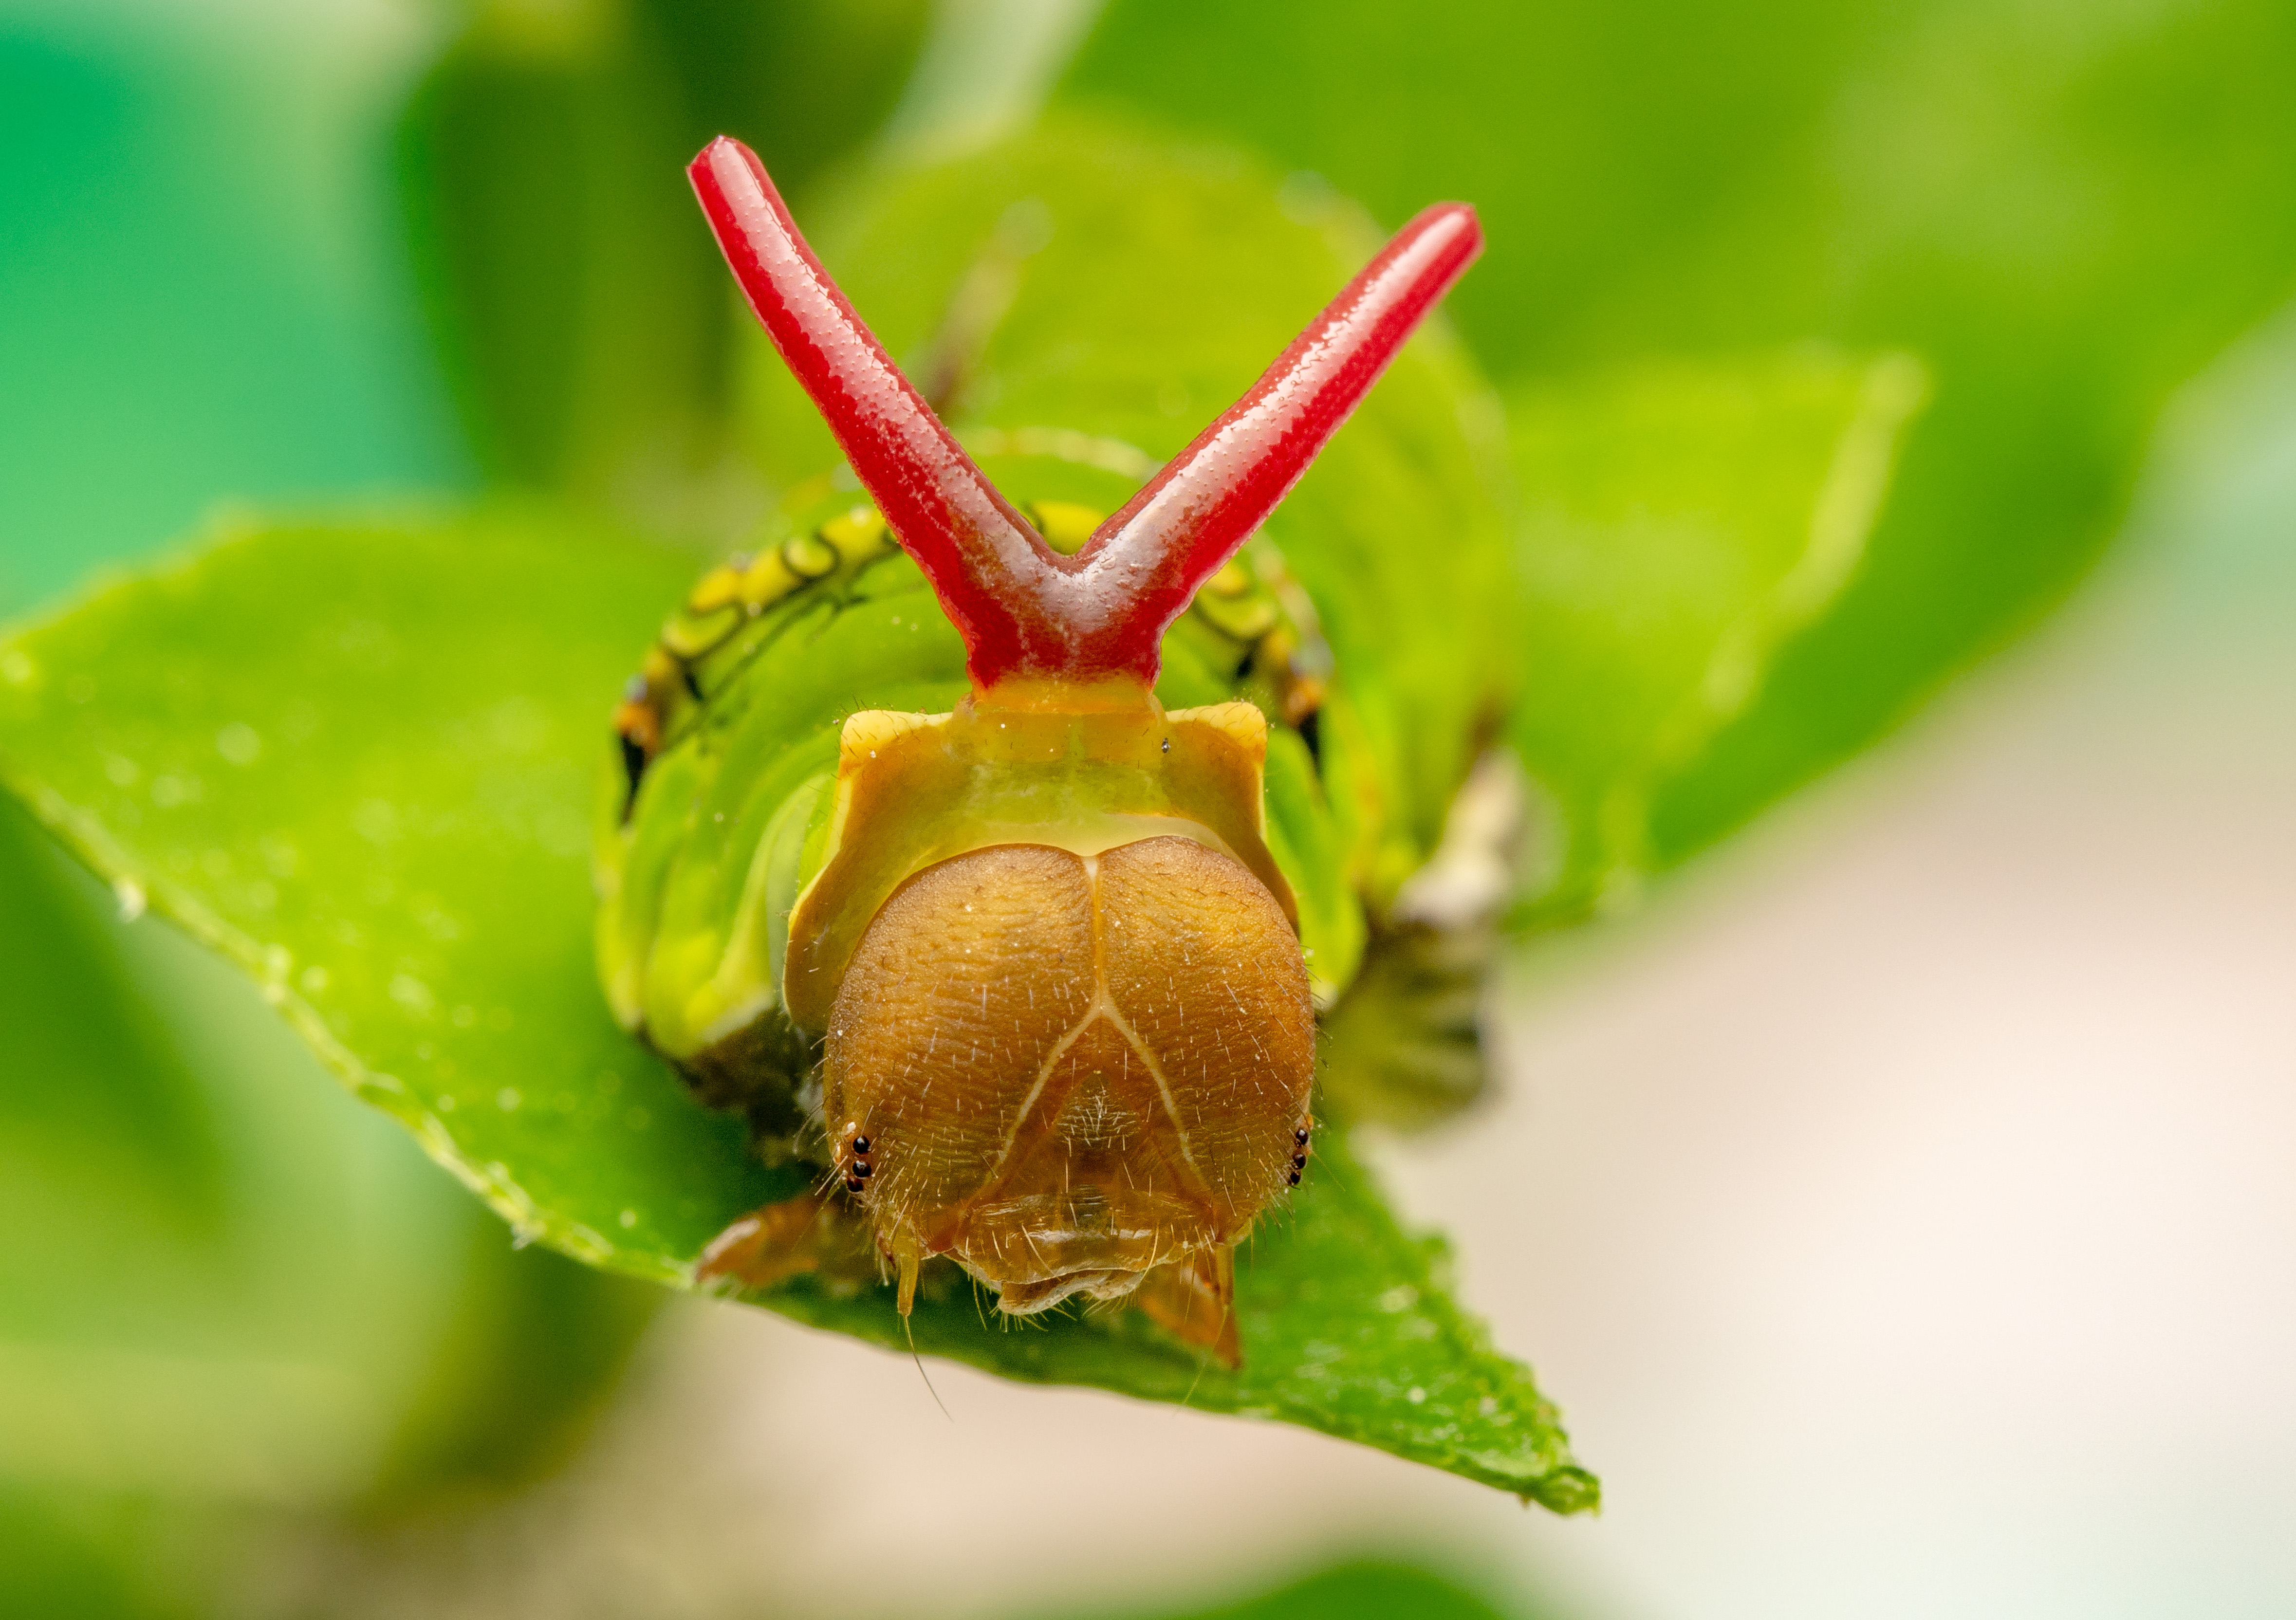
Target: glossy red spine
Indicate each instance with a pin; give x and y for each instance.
(1193, 515)
(972, 545)
(1024, 610)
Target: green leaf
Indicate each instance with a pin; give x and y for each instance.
(577, 297)
(1681, 522)
(361, 760)
(2064, 210)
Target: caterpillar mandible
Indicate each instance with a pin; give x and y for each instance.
(1028, 973)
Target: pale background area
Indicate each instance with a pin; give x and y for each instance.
(1901, 1209)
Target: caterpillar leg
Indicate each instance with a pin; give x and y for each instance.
(1195, 1300)
(760, 1072)
(814, 1232)
(1405, 1045)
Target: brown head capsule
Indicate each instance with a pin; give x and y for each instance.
(1072, 1068)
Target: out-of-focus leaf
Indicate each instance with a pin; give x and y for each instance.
(2064, 210)
(171, 330)
(360, 760)
(91, 1076)
(155, 1338)
(534, 1349)
(547, 248)
(1359, 1588)
(68, 1553)
(1680, 522)
(804, 82)
(224, 1283)
(577, 298)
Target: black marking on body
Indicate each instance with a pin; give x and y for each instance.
(634, 769)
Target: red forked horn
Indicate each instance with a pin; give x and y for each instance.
(1023, 609)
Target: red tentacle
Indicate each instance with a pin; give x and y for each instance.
(1024, 610)
(982, 558)
(1193, 515)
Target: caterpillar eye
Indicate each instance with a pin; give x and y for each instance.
(1074, 1068)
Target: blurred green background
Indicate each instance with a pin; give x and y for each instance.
(256, 1356)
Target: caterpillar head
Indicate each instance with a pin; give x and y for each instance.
(1129, 1097)
(1070, 1041)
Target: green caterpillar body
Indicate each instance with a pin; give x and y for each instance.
(1076, 335)
(718, 813)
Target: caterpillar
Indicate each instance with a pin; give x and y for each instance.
(997, 854)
